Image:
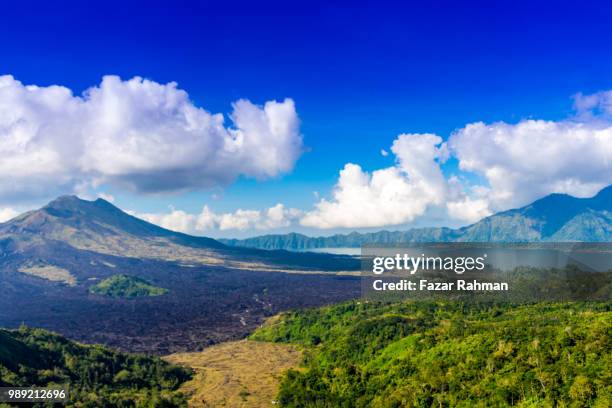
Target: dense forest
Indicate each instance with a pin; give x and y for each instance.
(448, 354)
(97, 376)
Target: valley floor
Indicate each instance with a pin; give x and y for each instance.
(237, 374)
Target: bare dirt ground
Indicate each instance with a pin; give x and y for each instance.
(237, 374)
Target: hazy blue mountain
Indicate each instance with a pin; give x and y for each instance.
(556, 217)
(294, 241)
(594, 226)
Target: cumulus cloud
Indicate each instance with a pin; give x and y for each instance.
(468, 209)
(517, 163)
(525, 161)
(466, 202)
(140, 134)
(207, 221)
(150, 137)
(388, 196)
(7, 213)
(175, 220)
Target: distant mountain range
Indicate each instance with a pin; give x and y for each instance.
(554, 218)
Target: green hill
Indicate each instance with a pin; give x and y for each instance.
(448, 354)
(96, 376)
(125, 286)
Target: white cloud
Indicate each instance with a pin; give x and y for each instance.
(518, 164)
(150, 137)
(206, 221)
(594, 104)
(525, 161)
(238, 220)
(175, 220)
(389, 196)
(515, 164)
(7, 213)
(468, 209)
(140, 134)
(278, 216)
(466, 202)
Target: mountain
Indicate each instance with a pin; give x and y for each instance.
(295, 241)
(54, 260)
(556, 217)
(69, 225)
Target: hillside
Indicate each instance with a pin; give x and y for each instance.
(557, 217)
(73, 227)
(423, 354)
(59, 268)
(97, 376)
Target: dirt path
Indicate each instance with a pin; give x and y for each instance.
(237, 374)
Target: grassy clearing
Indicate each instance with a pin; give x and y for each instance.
(237, 374)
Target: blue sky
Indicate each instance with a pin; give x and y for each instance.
(360, 73)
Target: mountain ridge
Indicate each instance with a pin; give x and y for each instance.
(77, 212)
(555, 217)
(68, 228)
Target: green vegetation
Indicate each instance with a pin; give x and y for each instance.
(125, 286)
(96, 376)
(448, 354)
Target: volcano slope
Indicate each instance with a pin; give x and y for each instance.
(51, 257)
